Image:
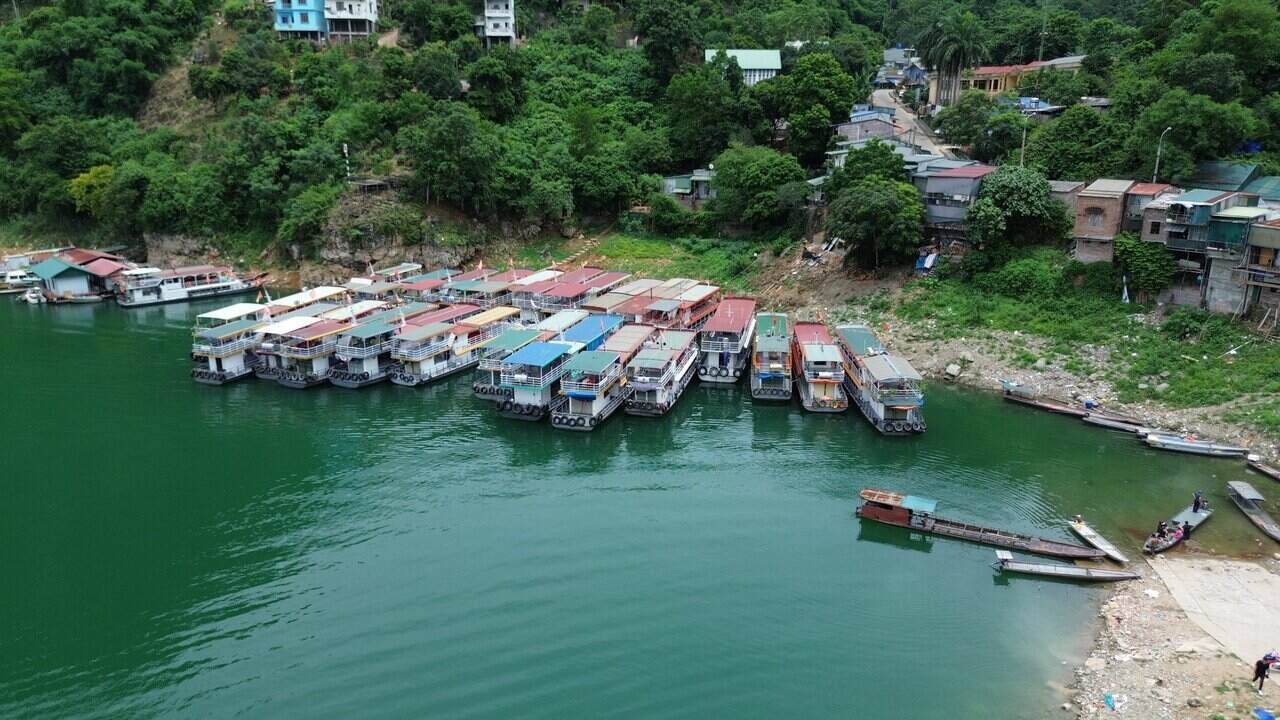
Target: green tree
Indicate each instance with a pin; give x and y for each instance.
(701, 111)
(879, 220)
(1001, 138)
(594, 28)
(1149, 266)
(817, 79)
(668, 30)
(454, 155)
(964, 122)
(747, 181)
(1202, 130)
(1014, 209)
(434, 71)
(875, 159)
(1079, 145)
(305, 215)
(954, 43)
(497, 84)
(809, 134)
(427, 20)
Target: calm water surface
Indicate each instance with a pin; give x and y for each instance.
(178, 550)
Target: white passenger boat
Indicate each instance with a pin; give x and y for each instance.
(363, 356)
(223, 344)
(299, 300)
(771, 358)
(487, 384)
(725, 341)
(885, 387)
(591, 389)
(533, 374)
(153, 286)
(441, 349)
(302, 357)
(819, 369)
(661, 371)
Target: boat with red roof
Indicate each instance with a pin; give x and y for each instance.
(725, 341)
(819, 368)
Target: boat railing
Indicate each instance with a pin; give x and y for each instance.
(732, 346)
(487, 333)
(554, 306)
(227, 348)
(652, 382)
(833, 376)
(594, 384)
(414, 353)
(306, 352)
(493, 364)
(895, 396)
(358, 352)
(520, 376)
(524, 302)
(488, 301)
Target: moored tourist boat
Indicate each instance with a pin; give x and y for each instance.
(153, 286)
(916, 513)
(771, 358)
(533, 374)
(819, 369)
(1005, 563)
(660, 372)
(725, 341)
(223, 341)
(1256, 464)
(425, 348)
(1023, 395)
(1180, 528)
(590, 390)
(1094, 538)
(1249, 501)
(592, 331)
(322, 294)
(487, 384)
(884, 386)
(561, 321)
(1193, 445)
(302, 358)
(363, 356)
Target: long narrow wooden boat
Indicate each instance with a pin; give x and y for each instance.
(1095, 539)
(1248, 500)
(1179, 443)
(1180, 528)
(1021, 394)
(1006, 563)
(916, 513)
(1112, 423)
(1255, 463)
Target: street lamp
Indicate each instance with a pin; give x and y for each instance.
(1159, 147)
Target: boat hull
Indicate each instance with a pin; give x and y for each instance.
(648, 409)
(355, 381)
(205, 376)
(414, 380)
(769, 394)
(1258, 517)
(300, 381)
(1066, 572)
(491, 393)
(1112, 424)
(1261, 467)
(528, 413)
(1164, 442)
(583, 423)
(203, 296)
(984, 536)
(1092, 537)
(914, 425)
(1052, 407)
(1155, 545)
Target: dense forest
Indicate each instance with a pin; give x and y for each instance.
(582, 119)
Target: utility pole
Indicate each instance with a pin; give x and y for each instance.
(1022, 157)
(1044, 27)
(16, 14)
(1159, 147)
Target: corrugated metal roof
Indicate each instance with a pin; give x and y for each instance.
(514, 339)
(592, 361)
(1149, 189)
(1222, 175)
(581, 275)
(230, 329)
(968, 171)
(231, 312)
(53, 267)
(859, 339)
(732, 315)
(1107, 187)
(773, 325)
(676, 339)
(418, 333)
(607, 301)
(810, 332)
(592, 329)
(1198, 196)
(628, 338)
(492, 315)
(748, 59)
(540, 276)
(539, 354)
(1245, 490)
(821, 352)
(1241, 212)
(563, 320)
(638, 286)
(372, 329)
(289, 325)
(652, 358)
(663, 305)
(103, 267)
(1267, 186)
(1064, 186)
(890, 367)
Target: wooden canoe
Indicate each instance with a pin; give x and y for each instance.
(1255, 463)
(1111, 423)
(1006, 563)
(1002, 538)
(1248, 500)
(1156, 545)
(1092, 537)
(1050, 405)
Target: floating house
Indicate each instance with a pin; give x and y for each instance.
(819, 370)
(364, 351)
(533, 374)
(590, 390)
(660, 371)
(885, 387)
(771, 358)
(487, 384)
(725, 341)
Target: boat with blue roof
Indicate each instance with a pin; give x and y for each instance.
(487, 383)
(533, 374)
(594, 384)
(885, 387)
(771, 357)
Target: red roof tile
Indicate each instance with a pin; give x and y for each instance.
(1151, 189)
(968, 171)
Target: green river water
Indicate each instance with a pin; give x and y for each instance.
(176, 550)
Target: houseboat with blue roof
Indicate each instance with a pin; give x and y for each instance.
(533, 375)
(771, 358)
(363, 355)
(725, 341)
(592, 388)
(819, 369)
(884, 386)
(487, 384)
(592, 331)
(661, 371)
(223, 341)
(424, 347)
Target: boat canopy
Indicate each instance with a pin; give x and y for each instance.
(490, 286)
(607, 280)
(315, 310)
(377, 288)
(423, 285)
(638, 287)
(374, 328)
(230, 329)
(348, 312)
(581, 275)
(663, 305)
(811, 332)
(698, 293)
(315, 331)
(510, 276)
(606, 302)
(627, 339)
(445, 314)
(890, 367)
(1245, 490)
(462, 285)
(568, 290)
(315, 294)
(652, 358)
(773, 324)
(772, 343)
(477, 274)
(401, 269)
(859, 339)
(514, 339)
(289, 325)
(492, 315)
(821, 353)
(540, 276)
(914, 503)
(593, 330)
(418, 333)
(563, 320)
(676, 339)
(592, 362)
(539, 354)
(440, 274)
(232, 312)
(732, 315)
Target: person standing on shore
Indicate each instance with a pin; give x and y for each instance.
(1261, 670)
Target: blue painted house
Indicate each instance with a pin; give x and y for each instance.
(300, 19)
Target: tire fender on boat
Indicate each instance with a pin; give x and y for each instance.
(505, 406)
(594, 421)
(580, 422)
(735, 374)
(702, 371)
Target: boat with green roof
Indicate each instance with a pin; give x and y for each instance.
(590, 390)
(771, 357)
(487, 384)
(661, 371)
(363, 354)
(884, 386)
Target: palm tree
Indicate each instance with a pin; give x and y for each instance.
(954, 43)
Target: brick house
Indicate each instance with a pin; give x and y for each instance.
(1099, 214)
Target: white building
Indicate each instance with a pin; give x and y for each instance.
(350, 19)
(756, 65)
(498, 22)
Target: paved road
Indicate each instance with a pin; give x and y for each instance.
(922, 136)
(1231, 600)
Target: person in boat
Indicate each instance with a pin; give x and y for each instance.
(1162, 529)
(1186, 528)
(1198, 503)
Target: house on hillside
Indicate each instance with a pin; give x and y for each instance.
(496, 23)
(865, 124)
(998, 79)
(1228, 239)
(1099, 212)
(1139, 196)
(1223, 175)
(1267, 188)
(756, 65)
(1065, 191)
(691, 190)
(1182, 223)
(900, 68)
(1259, 270)
(948, 193)
(325, 20)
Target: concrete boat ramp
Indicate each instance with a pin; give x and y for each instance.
(1231, 600)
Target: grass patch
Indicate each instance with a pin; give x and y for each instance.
(725, 263)
(543, 253)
